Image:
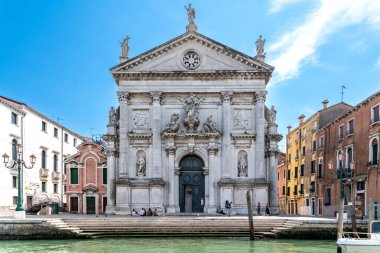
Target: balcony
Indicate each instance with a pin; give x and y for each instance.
(373, 163)
(350, 133)
(55, 175)
(44, 173)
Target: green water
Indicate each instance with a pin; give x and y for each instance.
(169, 245)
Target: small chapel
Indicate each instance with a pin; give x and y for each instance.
(191, 129)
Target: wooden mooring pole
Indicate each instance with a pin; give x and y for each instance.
(250, 216)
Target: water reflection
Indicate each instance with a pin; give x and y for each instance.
(169, 245)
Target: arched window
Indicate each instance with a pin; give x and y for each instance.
(14, 150)
(55, 162)
(43, 159)
(349, 156)
(375, 151)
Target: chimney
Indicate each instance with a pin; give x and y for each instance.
(325, 103)
(301, 118)
(289, 128)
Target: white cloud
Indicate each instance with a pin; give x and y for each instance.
(300, 44)
(277, 5)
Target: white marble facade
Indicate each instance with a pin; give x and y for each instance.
(191, 97)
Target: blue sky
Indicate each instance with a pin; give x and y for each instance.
(55, 55)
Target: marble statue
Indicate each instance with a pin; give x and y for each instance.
(191, 121)
(173, 125)
(190, 14)
(210, 126)
(242, 166)
(141, 165)
(125, 47)
(260, 46)
(112, 116)
(272, 115)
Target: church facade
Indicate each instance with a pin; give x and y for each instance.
(192, 129)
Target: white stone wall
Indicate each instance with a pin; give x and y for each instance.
(29, 133)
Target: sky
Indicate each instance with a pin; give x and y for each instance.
(55, 56)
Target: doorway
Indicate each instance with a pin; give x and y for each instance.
(312, 206)
(90, 205)
(191, 184)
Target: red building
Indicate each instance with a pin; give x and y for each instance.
(351, 142)
(86, 179)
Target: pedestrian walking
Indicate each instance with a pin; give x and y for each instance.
(228, 207)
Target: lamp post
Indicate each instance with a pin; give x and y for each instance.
(20, 212)
(339, 173)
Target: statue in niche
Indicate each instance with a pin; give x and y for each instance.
(242, 166)
(191, 121)
(173, 126)
(210, 126)
(190, 14)
(272, 115)
(124, 46)
(112, 116)
(141, 165)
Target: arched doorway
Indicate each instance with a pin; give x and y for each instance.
(191, 184)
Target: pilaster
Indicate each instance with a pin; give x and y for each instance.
(170, 151)
(123, 130)
(260, 135)
(226, 97)
(156, 131)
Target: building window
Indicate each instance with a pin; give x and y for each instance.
(302, 171)
(374, 152)
(14, 118)
(375, 114)
(66, 137)
(104, 204)
(104, 175)
(295, 190)
(315, 125)
(289, 158)
(14, 181)
(55, 132)
(340, 132)
(320, 168)
(288, 175)
(307, 202)
(297, 154)
(55, 162)
(350, 126)
(288, 191)
(74, 142)
(328, 197)
(322, 142)
(43, 186)
(64, 189)
(44, 127)
(302, 189)
(296, 172)
(303, 151)
(283, 190)
(43, 159)
(74, 204)
(14, 150)
(349, 156)
(74, 176)
(55, 187)
(14, 200)
(360, 186)
(339, 162)
(303, 135)
(312, 186)
(312, 168)
(314, 146)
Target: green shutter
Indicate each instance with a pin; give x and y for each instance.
(104, 175)
(74, 176)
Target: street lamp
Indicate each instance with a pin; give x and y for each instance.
(20, 212)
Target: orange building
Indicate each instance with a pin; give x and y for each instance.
(281, 170)
(86, 179)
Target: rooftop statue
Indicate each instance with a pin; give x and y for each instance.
(124, 46)
(190, 14)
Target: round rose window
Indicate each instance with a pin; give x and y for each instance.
(191, 60)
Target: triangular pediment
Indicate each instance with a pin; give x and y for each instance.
(212, 57)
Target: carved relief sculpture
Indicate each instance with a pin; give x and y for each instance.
(141, 119)
(242, 164)
(242, 119)
(173, 126)
(191, 121)
(210, 126)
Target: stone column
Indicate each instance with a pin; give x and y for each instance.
(226, 130)
(170, 150)
(111, 169)
(212, 151)
(260, 135)
(123, 133)
(273, 182)
(156, 131)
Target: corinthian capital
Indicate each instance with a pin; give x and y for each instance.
(226, 96)
(156, 96)
(123, 96)
(260, 96)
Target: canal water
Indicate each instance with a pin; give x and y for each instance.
(169, 245)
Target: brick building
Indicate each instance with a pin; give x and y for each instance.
(86, 181)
